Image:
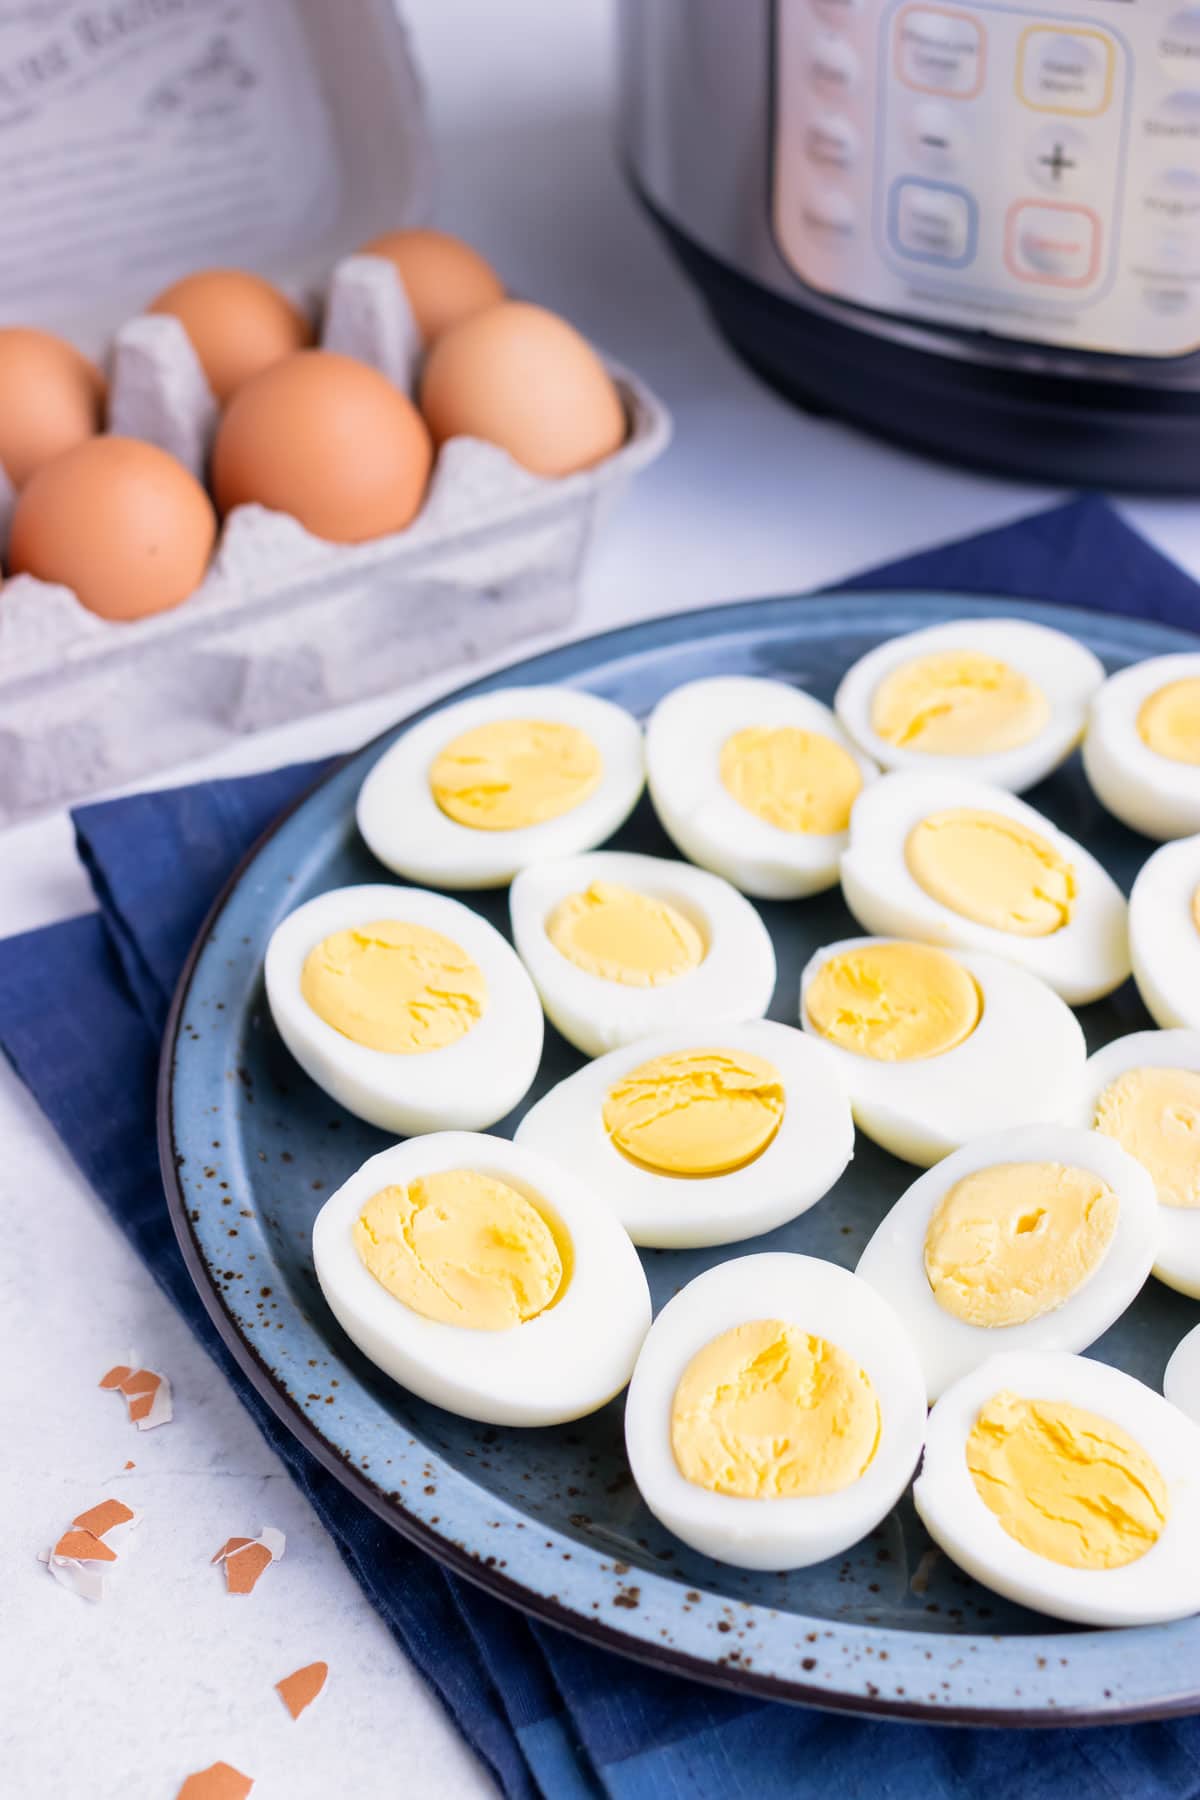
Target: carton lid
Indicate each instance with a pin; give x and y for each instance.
(142, 139)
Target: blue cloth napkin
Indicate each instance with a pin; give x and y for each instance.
(82, 1007)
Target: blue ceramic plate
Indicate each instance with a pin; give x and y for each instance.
(550, 1519)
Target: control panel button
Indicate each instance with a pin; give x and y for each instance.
(832, 142)
(1177, 119)
(939, 51)
(837, 12)
(1179, 41)
(937, 137)
(829, 214)
(1067, 72)
(1059, 245)
(1168, 299)
(933, 223)
(834, 67)
(1060, 159)
(1174, 195)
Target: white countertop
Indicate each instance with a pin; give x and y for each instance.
(127, 1698)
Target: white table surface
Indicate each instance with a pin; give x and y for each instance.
(126, 1698)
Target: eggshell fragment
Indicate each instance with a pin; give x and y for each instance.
(51, 399)
(445, 280)
(238, 324)
(246, 1560)
(299, 1689)
(521, 377)
(147, 1395)
(220, 1781)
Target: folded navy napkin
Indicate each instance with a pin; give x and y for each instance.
(82, 1008)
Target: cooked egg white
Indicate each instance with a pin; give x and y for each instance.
(484, 1279)
(1181, 1380)
(754, 780)
(996, 700)
(621, 946)
(702, 1135)
(1142, 750)
(477, 790)
(1143, 1091)
(405, 1006)
(951, 861)
(1034, 1238)
(936, 1047)
(1066, 1486)
(1164, 933)
(776, 1412)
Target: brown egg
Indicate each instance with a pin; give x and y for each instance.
(523, 378)
(51, 398)
(329, 440)
(237, 322)
(445, 280)
(119, 521)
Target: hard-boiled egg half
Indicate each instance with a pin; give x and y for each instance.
(936, 1047)
(701, 1135)
(947, 860)
(755, 781)
(1181, 1379)
(483, 1278)
(480, 789)
(1144, 1092)
(776, 1412)
(1066, 1486)
(1034, 1238)
(405, 1006)
(997, 700)
(1142, 750)
(1164, 933)
(623, 946)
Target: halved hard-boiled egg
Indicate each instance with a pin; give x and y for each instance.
(1033, 1238)
(997, 700)
(483, 1278)
(951, 861)
(776, 1412)
(1164, 933)
(1144, 1092)
(701, 1135)
(622, 946)
(754, 780)
(1181, 1379)
(1066, 1486)
(482, 788)
(405, 1006)
(1142, 749)
(936, 1047)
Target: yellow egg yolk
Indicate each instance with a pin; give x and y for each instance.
(1067, 1484)
(894, 1002)
(394, 987)
(992, 869)
(621, 935)
(796, 780)
(1011, 1242)
(696, 1112)
(1154, 1113)
(1169, 721)
(515, 772)
(769, 1412)
(463, 1248)
(958, 703)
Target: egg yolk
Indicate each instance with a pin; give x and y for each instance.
(1067, 1484)
(992, 869)
(792, 779)
(464, 1248)
(696, 1112)
(1011, 1242)
(958, 703)
(512, 773)
(1169, 721)
(1196, 909)
(621, 935)
(894, 1002)
(1154, 1113)
(395, 987)
(769, 1412)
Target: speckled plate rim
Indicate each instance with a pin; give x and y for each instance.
(1103, 1677)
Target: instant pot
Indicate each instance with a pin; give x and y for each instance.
(972, 227)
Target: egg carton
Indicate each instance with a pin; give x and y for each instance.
(285, 623)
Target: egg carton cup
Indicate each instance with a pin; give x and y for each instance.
(285, 623)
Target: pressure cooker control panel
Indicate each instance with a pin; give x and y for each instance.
(1002, 166)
